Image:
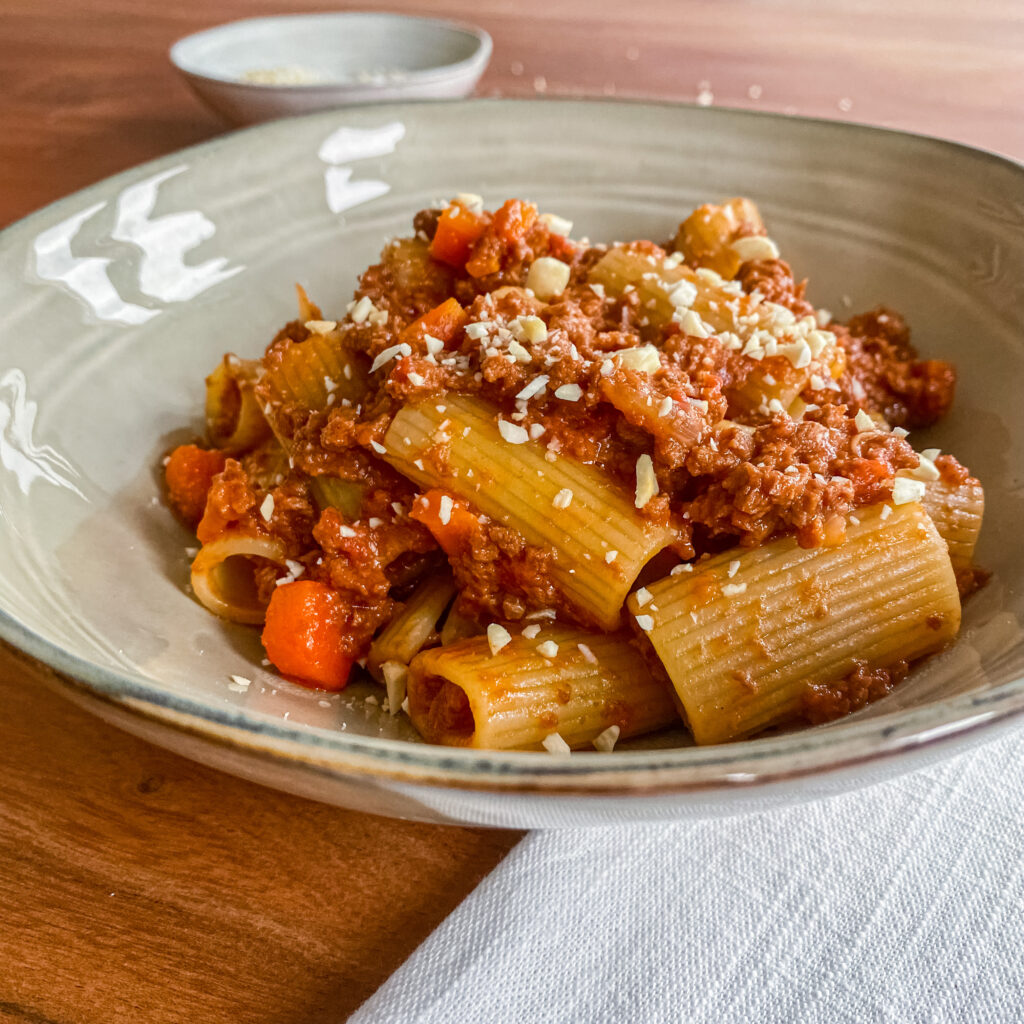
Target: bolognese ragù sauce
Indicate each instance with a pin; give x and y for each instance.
(459, 308)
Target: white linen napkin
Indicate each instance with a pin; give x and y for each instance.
(903, 902)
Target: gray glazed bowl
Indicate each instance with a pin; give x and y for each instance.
(349, 58)
(119, 299)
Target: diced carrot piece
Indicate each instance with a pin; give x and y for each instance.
(449, 519)
(513, 220)
(457, 231)
(443, 322)
(304, 635)
(508, 226)
(189, 474)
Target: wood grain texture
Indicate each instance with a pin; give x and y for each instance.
(135, 886)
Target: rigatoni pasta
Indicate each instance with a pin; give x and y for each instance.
(747, 635)
(553, 495)
(511, 693)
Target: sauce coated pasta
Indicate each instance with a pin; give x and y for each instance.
(553, 494)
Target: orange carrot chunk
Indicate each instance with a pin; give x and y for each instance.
(508, 227)
(442, 322)
(304, 635)
(457, 231)
(189, 475)
(449, 519)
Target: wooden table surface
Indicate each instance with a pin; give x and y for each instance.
(136, 886)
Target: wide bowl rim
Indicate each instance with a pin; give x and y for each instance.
(434, 74)
(744, 764)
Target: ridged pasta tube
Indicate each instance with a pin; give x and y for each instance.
(957, 511)
(413, 624)
(234, 420)
(744, 634)
(566, 681)
(223, 575)
(599, 539)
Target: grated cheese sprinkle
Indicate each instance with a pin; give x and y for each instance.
(645, 622)
(530, 632)
(610, 556)
(569, 392)
(554, 744)
(548, 648)
(512, 432)
(644, 359)
(563, 499)
(267, 508)
(732, 589)
(497, 637)
(864, 422)
(402, 349)
(905, 490)
(605, 741)
(643, 596)
(646, 481)
(444, 511)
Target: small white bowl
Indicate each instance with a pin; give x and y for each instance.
(258, 69)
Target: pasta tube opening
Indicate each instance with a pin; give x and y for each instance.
(230, 576)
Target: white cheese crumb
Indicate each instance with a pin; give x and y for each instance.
(646, 481)
(416, 380)
(644, 359)
(547, 278)
(470, 201)
(682, 567)
(434, 345)
(905, 490)
(734, 567)
(530, 632)
(732, 589)
(606, 741)
(610, 556)
(389, 353)
(512, 432)
(569, 392)
(536, 430)
(925, 469)
(755, 247)
(444, 512)
(900, 432)
(817, 384)
(533, 328)
(692, 324)
(378, 447)
(665, 407)
(643, 596)
(588, 654)
(563, 499)
(534, 388)
(267, 508)
(497, 637)
(554, 744)
(607, 368)
(555, 224)
(362, 309)
(683, 294)
(549, 648)
(864, 422)
(321, 326)
(346, 531)
(396, 677)
(645, 622)
(886, 511)
(239, 684)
